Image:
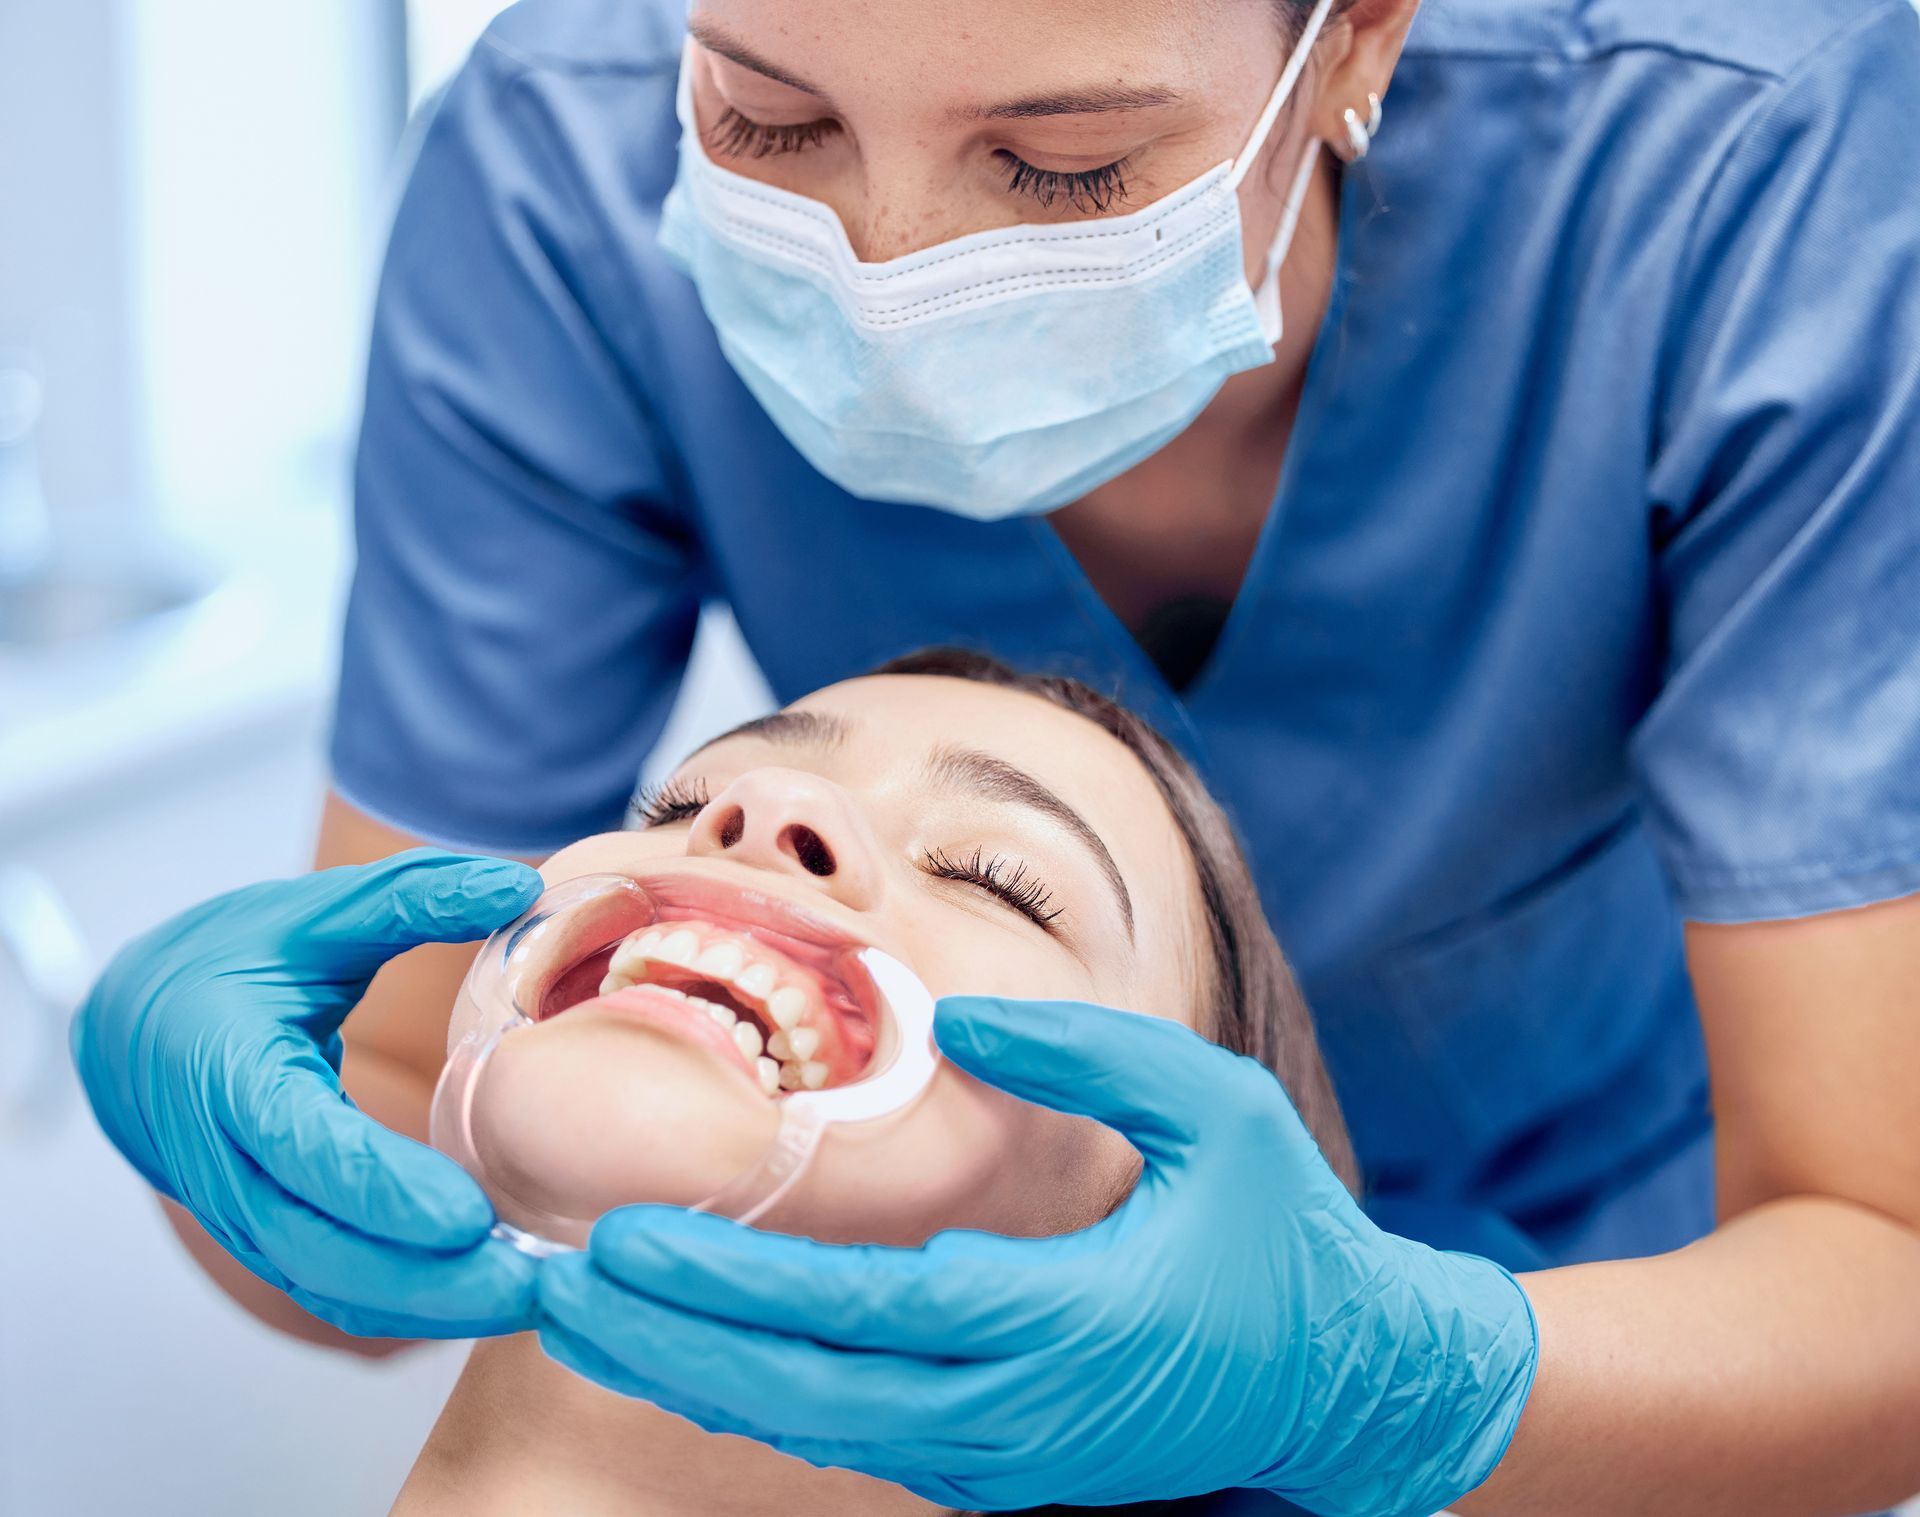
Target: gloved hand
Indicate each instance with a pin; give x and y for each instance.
(210, 1050)
(1238, 1322)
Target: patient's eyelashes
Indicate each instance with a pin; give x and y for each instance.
(1011, 881)
(660, 805)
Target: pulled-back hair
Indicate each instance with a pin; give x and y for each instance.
(1251, 1003)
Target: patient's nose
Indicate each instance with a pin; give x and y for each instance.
(796, 824)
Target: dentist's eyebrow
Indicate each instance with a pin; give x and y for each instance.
(1086, 102)
(994, 779)
(715, 40)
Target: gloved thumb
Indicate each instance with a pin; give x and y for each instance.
(1146, 1077)
(359, 916)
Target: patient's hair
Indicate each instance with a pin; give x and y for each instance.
(1253, 1003)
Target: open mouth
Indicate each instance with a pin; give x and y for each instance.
(740, 974)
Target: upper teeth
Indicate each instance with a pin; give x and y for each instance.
(728, 961)
(756, 980)
(786, 1004)
(722, 961)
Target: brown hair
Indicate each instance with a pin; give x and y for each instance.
(1255, 1004)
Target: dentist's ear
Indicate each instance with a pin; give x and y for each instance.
(1354, 63)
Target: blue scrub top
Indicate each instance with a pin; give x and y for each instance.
(1590, 599)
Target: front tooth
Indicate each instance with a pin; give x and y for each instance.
(614, 981)
(722, 961)
(747, 1038)
(635, 951)
(780, 1046)
(769, 1073)
(756, 980)
(804, 1041)
(721, 1015)
(786, 1004)
(679, 948)
(813, 1074)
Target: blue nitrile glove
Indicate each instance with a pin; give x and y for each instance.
(210, 1050)
(1238, 1322)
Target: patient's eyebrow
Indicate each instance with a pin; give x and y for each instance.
(995, 779)
(790, 729)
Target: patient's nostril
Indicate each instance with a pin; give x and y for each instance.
(733, 826)
(809, 848)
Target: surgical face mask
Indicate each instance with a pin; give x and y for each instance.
(1007, 371)
(851, 1026)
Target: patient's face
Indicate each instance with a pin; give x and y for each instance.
(990, 840)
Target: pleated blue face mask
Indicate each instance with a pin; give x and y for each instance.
(1003, 372)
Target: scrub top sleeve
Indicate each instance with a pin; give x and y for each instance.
(1780, 762)
(527, 584)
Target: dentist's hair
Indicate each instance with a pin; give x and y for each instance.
(1252, 1004)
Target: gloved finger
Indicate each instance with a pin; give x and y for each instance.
(580, 1355)
(366, 913)
(289, 1117)
(1152, 1080)
(773, 1386)
(587, 1360)
(371, 1322)
(486, 1289)
(964, 1295)
(590, 1362)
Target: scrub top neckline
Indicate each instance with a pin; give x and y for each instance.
(1177, 707)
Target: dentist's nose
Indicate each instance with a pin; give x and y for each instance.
(797, 824)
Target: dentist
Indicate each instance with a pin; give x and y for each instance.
(1505, 485)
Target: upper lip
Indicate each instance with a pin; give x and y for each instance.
(727, 897)
(810, 939)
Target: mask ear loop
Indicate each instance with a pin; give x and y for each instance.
(805, 1115)
(1289, 77)
(1266, 299)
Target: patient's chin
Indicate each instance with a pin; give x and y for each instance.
(582, 1114)
(575, 1117)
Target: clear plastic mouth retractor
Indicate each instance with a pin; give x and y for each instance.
(531, 960)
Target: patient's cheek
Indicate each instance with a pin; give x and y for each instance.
(579, 1115)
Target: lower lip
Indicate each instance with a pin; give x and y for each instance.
(651, 1007)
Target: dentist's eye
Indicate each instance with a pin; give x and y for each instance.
(736, 136)
(1012, 882)
(1091, 191)
(662, 805)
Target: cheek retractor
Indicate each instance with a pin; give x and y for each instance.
(521, 967)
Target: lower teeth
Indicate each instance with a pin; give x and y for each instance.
(789, 1046)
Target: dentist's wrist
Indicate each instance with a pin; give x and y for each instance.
(1465, 1343)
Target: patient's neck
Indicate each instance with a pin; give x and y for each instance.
(520, 1434)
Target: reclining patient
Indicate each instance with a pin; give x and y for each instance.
(998, 834)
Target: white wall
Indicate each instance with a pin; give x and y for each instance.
(66, 282)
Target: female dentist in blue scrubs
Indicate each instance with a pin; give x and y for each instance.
(1506, 486)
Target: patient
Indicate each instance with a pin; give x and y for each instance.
(998, 834)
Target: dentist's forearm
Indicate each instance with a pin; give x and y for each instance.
(1773, 1367)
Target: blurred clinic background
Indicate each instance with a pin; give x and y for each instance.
(192, 200)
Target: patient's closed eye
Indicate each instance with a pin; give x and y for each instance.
(663, 805)
(1010, 880)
